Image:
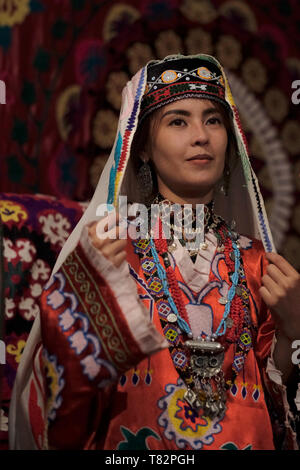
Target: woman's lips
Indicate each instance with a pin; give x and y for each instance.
(202, 156)
(200, 159)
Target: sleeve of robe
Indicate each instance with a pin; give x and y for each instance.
(93, 328)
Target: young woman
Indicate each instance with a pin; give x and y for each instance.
(146, 343)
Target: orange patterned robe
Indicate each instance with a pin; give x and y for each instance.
(104, 367)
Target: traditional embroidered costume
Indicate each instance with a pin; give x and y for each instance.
(173, 350)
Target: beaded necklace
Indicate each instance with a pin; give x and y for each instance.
(175, 223)
(204, 377)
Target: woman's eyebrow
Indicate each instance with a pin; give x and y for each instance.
(183, 112)
(178, 112)
(209, 111)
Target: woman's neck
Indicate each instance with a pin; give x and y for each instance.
(175, 217)
(182, 199)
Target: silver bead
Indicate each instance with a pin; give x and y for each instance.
(172, 247)
(172, 318)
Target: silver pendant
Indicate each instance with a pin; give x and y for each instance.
(209, 391)
(207, 357)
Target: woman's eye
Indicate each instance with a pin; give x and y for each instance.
(214, 120)
(177, 123)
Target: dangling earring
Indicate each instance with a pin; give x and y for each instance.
(226, 178)
(145, 180)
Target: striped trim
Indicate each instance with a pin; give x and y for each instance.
(122, 150)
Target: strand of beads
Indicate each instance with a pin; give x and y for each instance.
(176, 304)
(169, 281)
(221, 330)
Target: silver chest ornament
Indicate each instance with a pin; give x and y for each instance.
(209, 389)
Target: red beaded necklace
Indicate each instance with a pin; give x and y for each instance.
(236, 310)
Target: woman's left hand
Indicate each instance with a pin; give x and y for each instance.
(281, 292)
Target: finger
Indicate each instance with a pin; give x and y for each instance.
(269, 300)
(107, 228)
(117, 233)
(119, 258)
(282, 264)
(277, 276)
(273, 288)
(112, 249)
(106, 237)
(102, 228)
(266, 296)
(97, 229)
(93, 236)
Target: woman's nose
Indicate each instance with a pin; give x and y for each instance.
(200, 136)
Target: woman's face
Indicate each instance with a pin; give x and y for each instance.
(187, 149)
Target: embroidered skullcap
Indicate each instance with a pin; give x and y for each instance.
(178, 77)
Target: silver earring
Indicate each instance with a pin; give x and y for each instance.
(225, 186)
(223, 190)
(145, 179)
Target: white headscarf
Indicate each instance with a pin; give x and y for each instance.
(243, 204)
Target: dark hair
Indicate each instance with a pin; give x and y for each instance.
(141, 142)
(232, 152)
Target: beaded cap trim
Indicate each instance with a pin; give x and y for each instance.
(170, 80)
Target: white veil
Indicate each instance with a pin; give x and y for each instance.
(243, 204)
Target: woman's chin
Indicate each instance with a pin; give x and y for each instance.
(194, 190)
(204, 185)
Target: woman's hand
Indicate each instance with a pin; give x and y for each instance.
(281, 292)
(113, 248)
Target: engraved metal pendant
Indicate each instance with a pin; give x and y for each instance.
(208, 391)
(207, 357)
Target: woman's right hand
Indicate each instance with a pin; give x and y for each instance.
(114, 249)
